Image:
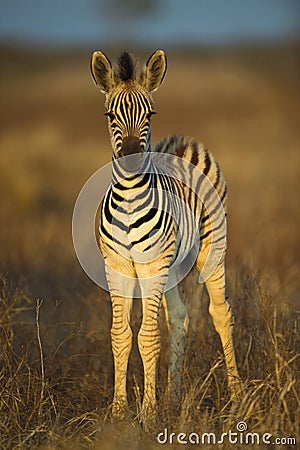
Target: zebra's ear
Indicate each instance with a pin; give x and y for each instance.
(155, 70)
(102, 72)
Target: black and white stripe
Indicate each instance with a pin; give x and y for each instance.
(153, 205)
(129, 114)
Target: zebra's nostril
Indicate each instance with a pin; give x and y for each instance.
(130, 146)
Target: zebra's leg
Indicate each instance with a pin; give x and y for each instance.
(121, 339)
(176, 317)
(121, 291)
(152, 280)
(149, 347)
(220, 310)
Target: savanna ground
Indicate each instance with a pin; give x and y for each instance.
(56, 368)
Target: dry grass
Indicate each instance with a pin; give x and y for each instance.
(56, 369)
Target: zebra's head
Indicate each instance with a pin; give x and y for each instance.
(129, 103)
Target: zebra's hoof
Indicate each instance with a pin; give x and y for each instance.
(148, 418)
(119, 410)
(236, 390)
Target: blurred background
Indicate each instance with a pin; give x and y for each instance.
(232, 83)
(148, 23)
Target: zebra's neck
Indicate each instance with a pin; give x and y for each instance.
(132, 172)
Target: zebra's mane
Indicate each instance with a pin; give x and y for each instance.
(125, 69)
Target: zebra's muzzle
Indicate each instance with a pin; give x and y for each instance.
(131, 145)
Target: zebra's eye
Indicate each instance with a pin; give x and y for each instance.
(150, 114)
(110, 115)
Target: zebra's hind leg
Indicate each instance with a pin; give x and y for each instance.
(223, 320)
(176, 317)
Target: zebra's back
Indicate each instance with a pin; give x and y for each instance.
(197, 154)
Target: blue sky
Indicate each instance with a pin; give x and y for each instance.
(176, 22)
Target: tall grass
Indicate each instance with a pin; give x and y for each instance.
(52, 395)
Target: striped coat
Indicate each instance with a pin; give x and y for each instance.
(165, 203)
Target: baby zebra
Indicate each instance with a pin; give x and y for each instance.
(145, 228)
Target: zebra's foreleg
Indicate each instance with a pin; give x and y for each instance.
(121, 288)
(152, 280)
(149, 347)
(223, 320)
(176, 317)
(121, 339)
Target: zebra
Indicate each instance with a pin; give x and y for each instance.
(134, 210)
